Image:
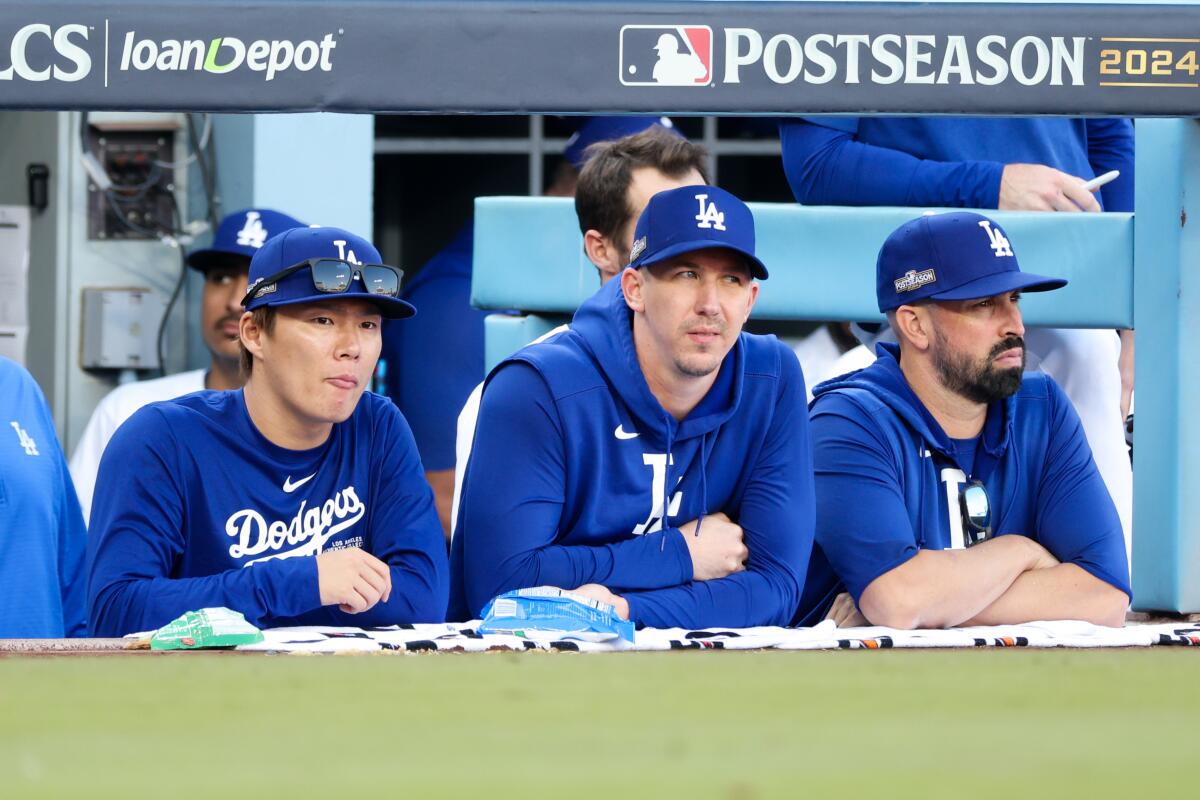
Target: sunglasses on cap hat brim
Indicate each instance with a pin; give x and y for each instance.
(331, 276)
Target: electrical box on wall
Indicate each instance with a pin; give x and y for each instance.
(120, 329)
(131, 180)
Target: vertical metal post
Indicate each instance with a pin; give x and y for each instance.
(710, 142)
(536, 155)
(1166, 490)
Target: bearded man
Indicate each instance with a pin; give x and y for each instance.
(952, 487)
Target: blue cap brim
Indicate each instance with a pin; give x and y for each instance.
(757, 269)
(389, 307)
(999, 283)
(204, 260)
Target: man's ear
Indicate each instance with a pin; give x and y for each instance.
(751, 301)
(632, 285)
(912, 323)
(602, 252)
(251, 334)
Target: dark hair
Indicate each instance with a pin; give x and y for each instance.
(263, 317)
(600, 197)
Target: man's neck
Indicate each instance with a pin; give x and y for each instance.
(677, 393)
(959, 417)
(279, 422)
(223, 375)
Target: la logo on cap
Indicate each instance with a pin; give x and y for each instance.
(252, 234)
(343, 253)
(996, 239)
(709, 216)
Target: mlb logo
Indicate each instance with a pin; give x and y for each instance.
(666, 55)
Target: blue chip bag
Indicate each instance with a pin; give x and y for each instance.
(548, 609)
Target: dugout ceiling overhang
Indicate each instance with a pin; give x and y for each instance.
(741, 58)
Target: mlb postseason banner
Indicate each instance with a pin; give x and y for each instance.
(595, 57)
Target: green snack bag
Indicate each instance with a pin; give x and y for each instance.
(208, 627)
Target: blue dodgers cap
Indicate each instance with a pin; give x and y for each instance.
(607, 129)
(297, 245)
(241, 233)
(692, 218)
(955, 256)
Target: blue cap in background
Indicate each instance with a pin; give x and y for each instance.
(241, 234)
(607, 129)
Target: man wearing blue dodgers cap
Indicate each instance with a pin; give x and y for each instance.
(651, 455)
(224, 264)
(952, 487)
(296, 500)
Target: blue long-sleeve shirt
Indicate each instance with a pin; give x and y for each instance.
(195, 508)
(947, 161)
(573, 461)
(42, 536)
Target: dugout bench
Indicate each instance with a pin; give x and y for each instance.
(529, 256)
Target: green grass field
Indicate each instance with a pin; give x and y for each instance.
(963, 724)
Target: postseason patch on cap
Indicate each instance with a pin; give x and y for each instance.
(914, 280)
(637, 248)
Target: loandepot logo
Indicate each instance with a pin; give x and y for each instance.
(223, 54)
(682, 55)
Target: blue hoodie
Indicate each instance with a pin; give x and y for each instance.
(886, 473)
(196, 508)
(573, 459)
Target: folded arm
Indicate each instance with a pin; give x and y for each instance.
(512, 501)
(777, 519)
(943, 588)
(1065, 591)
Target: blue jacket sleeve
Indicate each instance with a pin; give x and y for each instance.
(777, 518)
(1110, 146)
(826, 166)
(405, 533)
(137, 541)
(512, 500)
(1076, 519)
(863, 526)
(72, 540)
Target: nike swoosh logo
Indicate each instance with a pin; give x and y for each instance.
(290, 487)
(621, 434)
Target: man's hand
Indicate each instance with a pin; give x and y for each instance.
(1033, 187)
(718, 550)
(594, 591)
(845, 614)
(352, 579)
